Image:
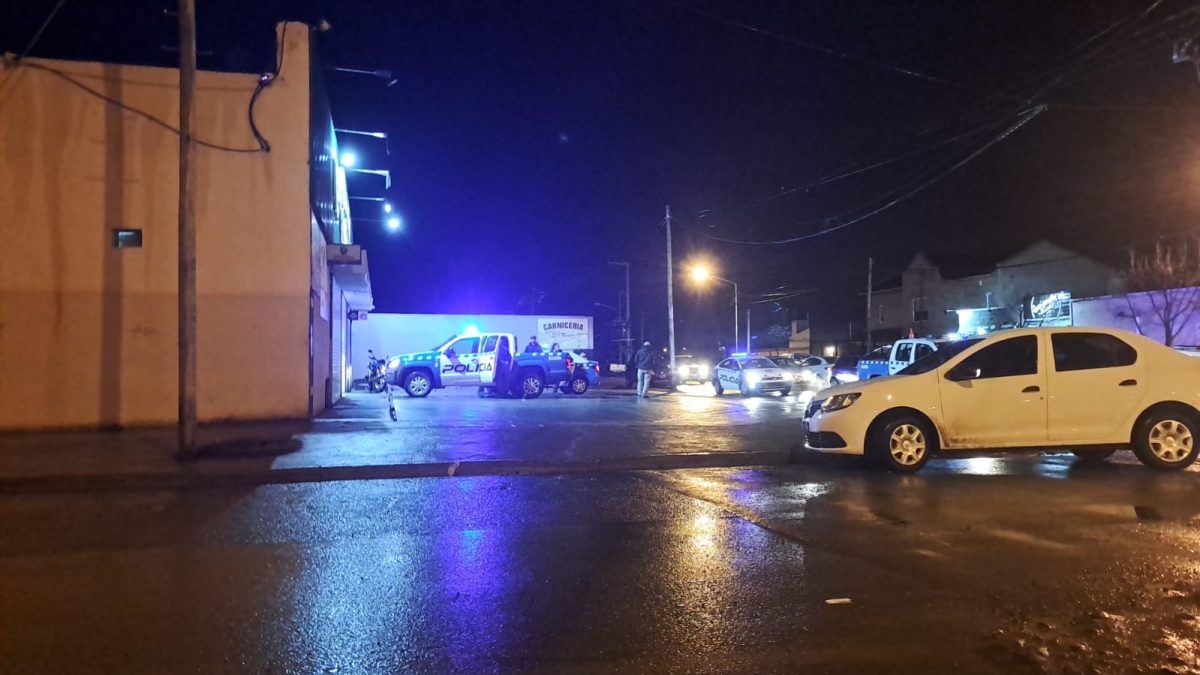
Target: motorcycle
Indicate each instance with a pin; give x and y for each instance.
(376, 373)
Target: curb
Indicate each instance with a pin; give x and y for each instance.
(187, 478)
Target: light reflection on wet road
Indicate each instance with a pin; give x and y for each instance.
(977, 565)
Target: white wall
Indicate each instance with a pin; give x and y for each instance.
(1113, 311)
(389, 334)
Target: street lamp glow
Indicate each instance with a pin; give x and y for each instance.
(394, 223)
(387, 207)
(700, 274)
(349, 159)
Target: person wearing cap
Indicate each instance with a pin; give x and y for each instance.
(533, 347)
(644, 360)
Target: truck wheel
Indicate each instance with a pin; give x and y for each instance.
(418, 384)
(579, 385)
(530, 383)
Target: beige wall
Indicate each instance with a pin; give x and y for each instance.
(87, 331)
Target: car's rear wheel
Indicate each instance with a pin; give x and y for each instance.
(529, 384)
(1166, 440)
(717, 386)
(901, 444)
(579, 385)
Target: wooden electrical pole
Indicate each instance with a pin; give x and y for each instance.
(670, 298)
(187, 232)
(870, 270)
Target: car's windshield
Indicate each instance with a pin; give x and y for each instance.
(756, 362)
(443, 343)
(784, 362)
(931, 362)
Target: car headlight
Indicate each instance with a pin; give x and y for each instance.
(393, 363)
(839, 402)
(752, 379)
(702, 370)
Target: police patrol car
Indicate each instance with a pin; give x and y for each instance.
(490, 363)
(750, 375)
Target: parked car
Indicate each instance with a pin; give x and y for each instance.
(844, 369)
(486, 362)
(1089, 390)
(750, 375)
(891, 359)
(808, 372)
(690, 368)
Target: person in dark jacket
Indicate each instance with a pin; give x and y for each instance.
(644, 360)
(533, 347)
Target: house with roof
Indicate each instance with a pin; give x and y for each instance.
(1032, 286)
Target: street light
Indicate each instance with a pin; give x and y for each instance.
(387, 207)
(349, 159)
(701, 274)
(394, 223)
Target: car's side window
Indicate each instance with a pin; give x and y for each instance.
(1088, 351)
(489, 343)
(734, 365)
(923, 350)
(465, 346)
(811, 361)
(1007, 358)
(904, 352)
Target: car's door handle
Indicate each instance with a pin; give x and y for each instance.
(1031, 389)
(1128, 383)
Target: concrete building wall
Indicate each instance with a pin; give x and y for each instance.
(88, 332)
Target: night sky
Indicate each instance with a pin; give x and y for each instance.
(531, 142)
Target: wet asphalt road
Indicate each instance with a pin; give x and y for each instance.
(1025, 564)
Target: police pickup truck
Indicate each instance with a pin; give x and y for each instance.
(891, 359)
(489, 362)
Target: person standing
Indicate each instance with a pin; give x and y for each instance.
(533, 347)
(644, 360)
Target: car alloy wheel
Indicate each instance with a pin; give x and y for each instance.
(531, 385)
(417, 385)
(907, 445)
(579, 385)
(1171, 441)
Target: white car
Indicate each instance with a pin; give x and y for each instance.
(1090, 390)
(750, 375)
(808, 372)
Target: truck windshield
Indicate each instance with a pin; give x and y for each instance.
(939, 357)
(443, 343)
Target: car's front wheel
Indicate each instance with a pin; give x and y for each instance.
(1166, 440)
(418, 384)
(717, 386)
(902, 444)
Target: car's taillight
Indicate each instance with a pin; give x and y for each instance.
(596, 367)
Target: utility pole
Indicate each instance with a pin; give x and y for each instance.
(187, 232)
(749, 347)
(626, 327)
(670, 296)
(870, 269)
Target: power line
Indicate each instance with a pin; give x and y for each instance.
(827, 50)
(911, 193)
(263, 145)
(41, 29)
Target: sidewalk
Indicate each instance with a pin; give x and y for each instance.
(445, 434)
